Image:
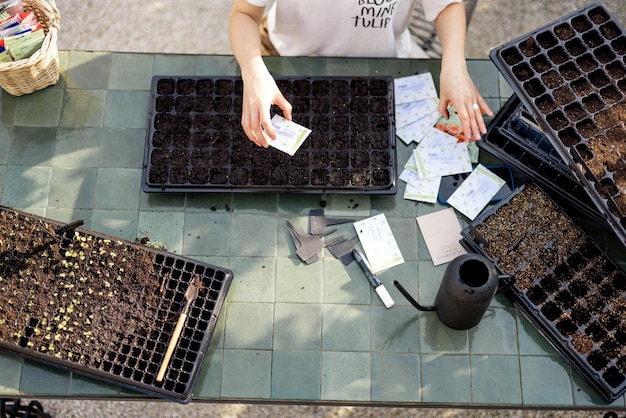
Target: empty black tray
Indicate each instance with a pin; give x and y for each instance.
(571, 76)
(195, 142)
(104, 307)
(566, 285)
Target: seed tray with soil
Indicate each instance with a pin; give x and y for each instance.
(514, 138)
(571, 76)
(195, 142)
(566, 285)
(104, 307)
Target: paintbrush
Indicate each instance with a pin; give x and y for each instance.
(190, 295)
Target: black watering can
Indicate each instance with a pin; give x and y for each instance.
(469, 284)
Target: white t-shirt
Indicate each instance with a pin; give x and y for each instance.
(345, 28)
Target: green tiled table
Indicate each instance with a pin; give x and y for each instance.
(289, 332)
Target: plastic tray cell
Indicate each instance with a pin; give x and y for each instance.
(517, 140)
(104, 307)
(566, 285)
(569, 74)
(195, 142)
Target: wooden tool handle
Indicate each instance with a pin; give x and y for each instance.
(171, 346)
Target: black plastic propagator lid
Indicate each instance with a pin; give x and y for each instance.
(571, 76)
(195, 142)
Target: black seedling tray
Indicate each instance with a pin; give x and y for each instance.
(571, 76)
(566, 285)
(195, 142)
(515, 139)
(104, 307)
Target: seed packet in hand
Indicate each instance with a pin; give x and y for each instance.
(452, 125)
(289, 135)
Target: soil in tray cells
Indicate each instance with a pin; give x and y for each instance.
(545, 103)
(592, 39)
(575, 47)
(511, 56)
(95, 303)
(558, 55)
(534, 87)
(569, 71)
(587, 63)
(196, 144)
(78, 304)
(540, 63)
(529, 47)
(562, 273)
(523, 71)
(566, 327)
(619, 45)
(563, 31)
(552, 79)
(604, 54)
(563, 95)
(575, 112)
(580, 313)
(546, 40)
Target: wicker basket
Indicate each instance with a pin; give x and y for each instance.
(42, 68)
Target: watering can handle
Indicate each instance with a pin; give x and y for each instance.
(505, 282)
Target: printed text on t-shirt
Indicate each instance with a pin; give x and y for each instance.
(375, 14)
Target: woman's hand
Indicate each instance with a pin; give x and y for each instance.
(457, 89)
(260, 92)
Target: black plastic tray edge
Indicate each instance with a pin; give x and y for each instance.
(504, 115)
(184, 397)
(550, 333)
(392, 189)
(575, 166)
(587, 373)
(530, 313)
(564, 195)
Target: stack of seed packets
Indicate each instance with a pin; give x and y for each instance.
(438, 154)
(440, 151)
(416, 105)
(21, 35)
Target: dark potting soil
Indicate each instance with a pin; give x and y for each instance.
(196, 142)
(100, 305)
(563, 279)
(572, 72)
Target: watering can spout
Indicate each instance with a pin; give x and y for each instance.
(412, 300)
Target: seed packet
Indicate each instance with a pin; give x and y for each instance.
(12, 7)
(289, 135)
(452, 125)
